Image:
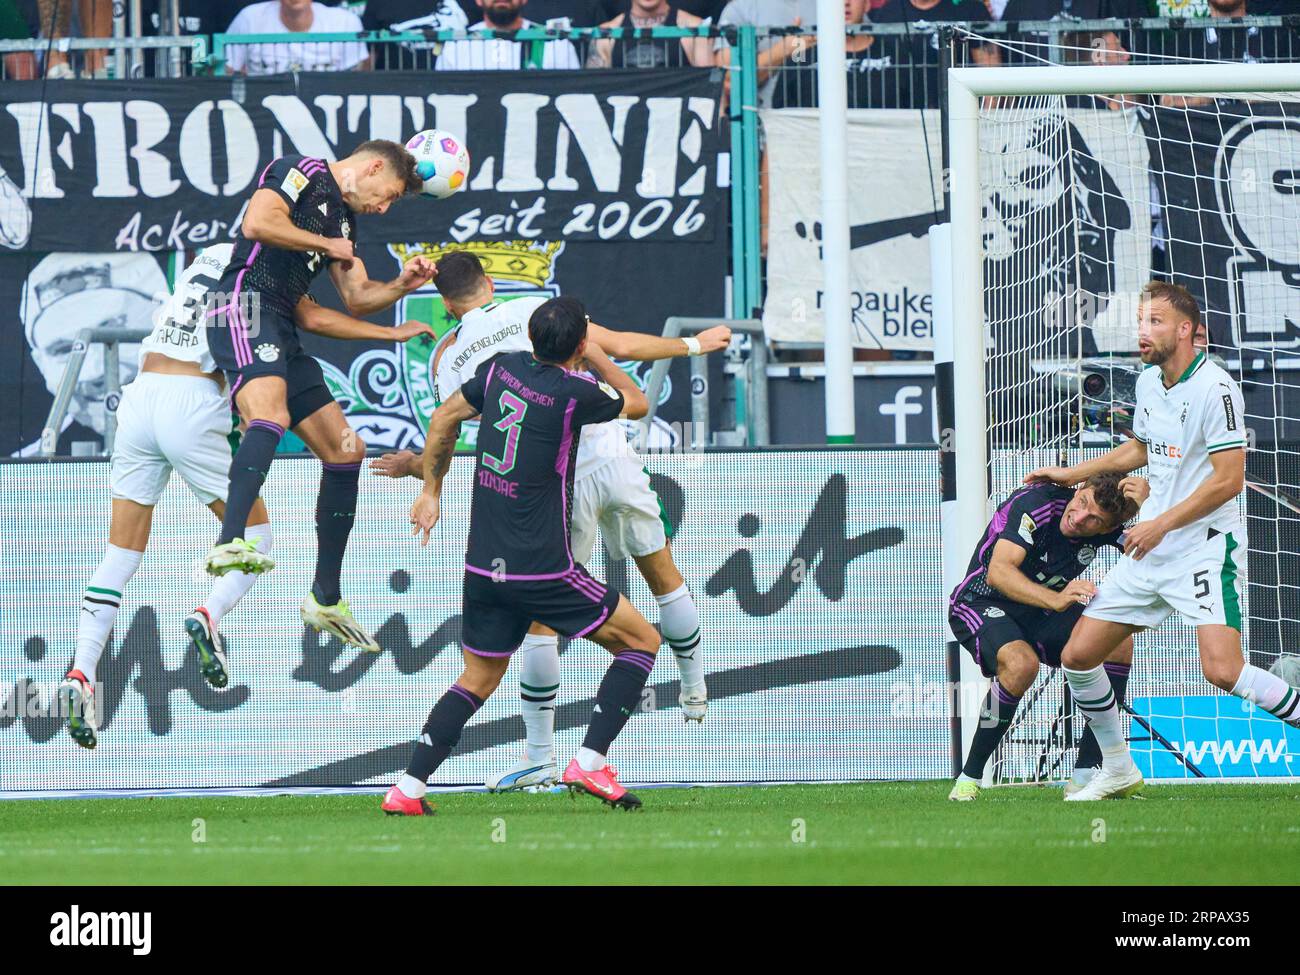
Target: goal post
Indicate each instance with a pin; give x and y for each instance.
(1011, 411)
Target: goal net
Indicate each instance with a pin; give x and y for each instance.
(1072, 187)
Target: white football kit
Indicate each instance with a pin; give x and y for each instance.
(168, 422)
(611, 488)
(1195, 569)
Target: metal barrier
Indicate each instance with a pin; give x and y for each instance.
(121, 57)
(746, 363)
(110, 339)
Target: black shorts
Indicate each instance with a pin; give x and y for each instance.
(269, 346)
(986, 626)
(496, 615)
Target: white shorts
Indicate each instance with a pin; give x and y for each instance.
(169, 422)
(1203, 585)
(617, 498)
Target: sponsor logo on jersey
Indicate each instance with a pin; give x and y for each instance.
(1162, 449)
(267, 352)
(294, 184)
(993, 612)
(1086, 554)
(1230, 413)
(1027, 527)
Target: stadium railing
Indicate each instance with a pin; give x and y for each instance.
(745, 364)
(121, 57)
(112, 339)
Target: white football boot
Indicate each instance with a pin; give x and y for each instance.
(525, 774)
(1109, 784)
(77, 697)
(338, 619)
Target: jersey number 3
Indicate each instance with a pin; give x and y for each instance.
(512, 415)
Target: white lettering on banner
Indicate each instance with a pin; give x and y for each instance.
(650, 148)
(901, 409)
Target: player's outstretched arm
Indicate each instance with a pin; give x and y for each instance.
(362, 296)
(1128, 456)
(635, 405)
(440, 441)
(312, 317)
(1005, 576)
(648, 348)
(269, 221)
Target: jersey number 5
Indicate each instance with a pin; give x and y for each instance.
(512, 410)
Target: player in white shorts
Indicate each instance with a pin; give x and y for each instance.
(611, 491)
(1185, 551)
(176, 416)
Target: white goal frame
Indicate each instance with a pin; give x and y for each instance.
(968, 516)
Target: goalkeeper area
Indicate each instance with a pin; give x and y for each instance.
(880, 833)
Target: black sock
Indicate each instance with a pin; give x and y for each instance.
(441, 732)
(995, 718)
(618, 696)
(336, 509)
(247, 472)
(1089, 752)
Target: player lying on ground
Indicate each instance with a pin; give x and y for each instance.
(301, 217)
(175, 416)
(518, 566)
(1023, 595)
(611, 489)
(1189, 429)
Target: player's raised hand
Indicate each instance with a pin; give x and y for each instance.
(410, 328)
(1136, 489)
(1078, 591)
(340, 249)
(1142, 538)
(714, 339)
(1063, 476)
(416, 273)
(396, 464)
(424, 515)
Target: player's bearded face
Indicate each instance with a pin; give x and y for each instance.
(1157, 332)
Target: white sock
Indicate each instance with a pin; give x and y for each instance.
(1269, 692)
(679, 621)
(99, 605)
(590, 761)
(963, 777)
(411, 787)
(1094, 696)
(231, 587)
(538, 658)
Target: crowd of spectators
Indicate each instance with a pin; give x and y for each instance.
(887, 70)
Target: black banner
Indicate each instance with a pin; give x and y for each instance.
(1229, 180)
(556, 155)
(601, 185)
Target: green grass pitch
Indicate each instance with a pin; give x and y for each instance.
(885, 833)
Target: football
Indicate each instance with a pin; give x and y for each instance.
(441, 160)
(1287, 667)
